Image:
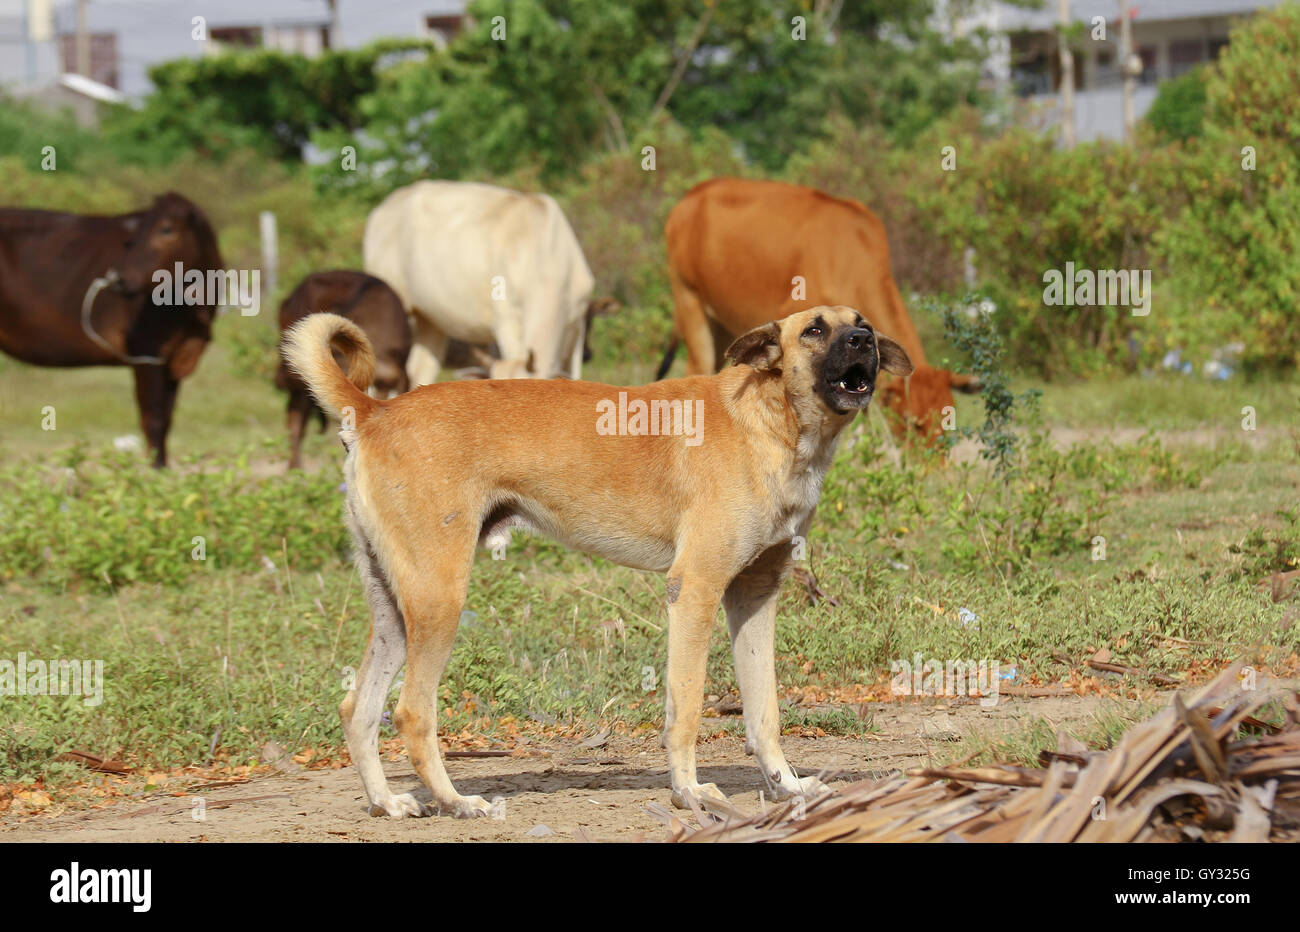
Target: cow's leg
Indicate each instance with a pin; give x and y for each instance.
(428, 350)
(299, 412)
(750, 601)
(578, 354)
(694, 327)
(518, 348)
(155, 396)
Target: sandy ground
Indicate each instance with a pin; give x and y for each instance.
(601, 792)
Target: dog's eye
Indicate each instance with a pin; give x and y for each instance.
(813, 331)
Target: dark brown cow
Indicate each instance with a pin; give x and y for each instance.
(49, 263)
(371, 305)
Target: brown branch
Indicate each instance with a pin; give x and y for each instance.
(615, 123)
(682, 61)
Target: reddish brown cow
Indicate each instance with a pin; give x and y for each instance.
(53, 312)
(742, 253)
(371, 305)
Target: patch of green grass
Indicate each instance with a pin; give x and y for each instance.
(1021, 746)
(1171, 402)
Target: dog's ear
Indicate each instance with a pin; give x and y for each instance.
(760, 347)
(893, 358)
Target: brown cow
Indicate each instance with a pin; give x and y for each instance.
(371, 305)
(54, 312)
(738, 251)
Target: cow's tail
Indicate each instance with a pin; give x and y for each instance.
(669, 355)
(308, 351)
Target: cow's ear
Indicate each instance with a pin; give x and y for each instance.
(893, 358)
(760, 347)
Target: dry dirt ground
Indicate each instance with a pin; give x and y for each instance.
(573, 789)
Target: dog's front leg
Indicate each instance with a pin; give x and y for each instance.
(692, 607)
(750, 602)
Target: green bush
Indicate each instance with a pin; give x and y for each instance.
(117, 520)
(1233, 253)
(1178, 111)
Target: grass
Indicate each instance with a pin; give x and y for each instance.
(209, 663)
(1021, 745)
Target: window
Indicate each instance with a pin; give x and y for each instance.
(103, 56)
(1184, 55)
(1106, 72)
(442, 29)
(242, 37)
(1148, 55)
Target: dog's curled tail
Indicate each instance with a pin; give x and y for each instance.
(308, 351)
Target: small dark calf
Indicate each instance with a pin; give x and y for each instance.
(371, 305)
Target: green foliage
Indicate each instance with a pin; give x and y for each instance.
(25, 131)
(1047, 501)
(266, 100)
(980, 341)
(570, 79)
(1178, 111)
(1234, 251)
(117, 520)
(1269, 550)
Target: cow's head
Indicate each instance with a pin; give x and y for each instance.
(171, 230)
(916, 404)
(390, 378)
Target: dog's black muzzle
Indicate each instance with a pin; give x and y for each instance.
(848, 371)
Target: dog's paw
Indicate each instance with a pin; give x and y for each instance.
(465, 807)
(703, 792)
(399, 807)
(807, 787)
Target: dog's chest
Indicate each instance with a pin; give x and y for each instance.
(794, 500)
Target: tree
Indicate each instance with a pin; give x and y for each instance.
(550, 82)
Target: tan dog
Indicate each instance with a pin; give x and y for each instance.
(706, 478)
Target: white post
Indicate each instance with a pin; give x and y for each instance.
(1067, 77)
(1131, 68)
(270, 255)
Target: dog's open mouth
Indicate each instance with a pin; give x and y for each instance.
(856, 380)
(851, 389)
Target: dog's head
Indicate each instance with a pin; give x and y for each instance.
(829, 355)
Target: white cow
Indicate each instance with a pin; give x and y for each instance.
(483, 265)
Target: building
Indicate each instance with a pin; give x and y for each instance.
(128, 37)
(1170, 36)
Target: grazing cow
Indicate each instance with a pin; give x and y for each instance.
(372, 306)
(82, 291)
(486, 266)
(742, 253)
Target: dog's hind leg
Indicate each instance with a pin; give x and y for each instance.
(364, 704)
(750, 602)
(432, 594)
